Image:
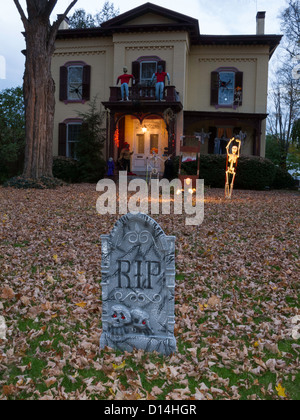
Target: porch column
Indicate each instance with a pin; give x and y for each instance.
(257, 139)
(112, 129)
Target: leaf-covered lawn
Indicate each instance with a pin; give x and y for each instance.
(237, 291)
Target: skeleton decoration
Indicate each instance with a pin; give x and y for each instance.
(231, 164)
(153, 166)
(138, 286)
(141, 322)
(119, 318)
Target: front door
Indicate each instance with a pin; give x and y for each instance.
(147, 138)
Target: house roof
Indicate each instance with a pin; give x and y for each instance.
(270, 40)
(167, 20)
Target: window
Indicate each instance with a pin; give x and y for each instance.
(226, 87)
(153, 141)
(147, 70)
(73, 136)
(69, 135)
(75, 81)
(144, 67)
(140, 144)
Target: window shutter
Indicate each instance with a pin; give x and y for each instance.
(136, 71)
(63, 84)
(62, 139)
(86, 83)
(214, 89)
(239, 84)
(163, 64)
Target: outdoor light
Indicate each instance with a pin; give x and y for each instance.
(188, 181)
(144, 129)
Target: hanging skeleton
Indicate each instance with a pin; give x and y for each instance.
(231, 164)
(153, 166)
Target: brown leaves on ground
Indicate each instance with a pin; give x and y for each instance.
(237, 291)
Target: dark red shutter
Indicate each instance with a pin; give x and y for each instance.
(136, 71)
(239, 84)
(214, 89)
(62, 139)
(163, 64)
(63, 84)
(86, 83)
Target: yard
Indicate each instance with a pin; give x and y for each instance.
(237, 293)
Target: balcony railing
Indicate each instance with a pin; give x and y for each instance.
(144, 93)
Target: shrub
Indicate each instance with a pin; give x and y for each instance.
(42, 183)
(66, 169)
(283, 180)
(253, 173)
(12, 133)
(89, 149)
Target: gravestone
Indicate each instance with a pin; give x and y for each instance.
(138, 286)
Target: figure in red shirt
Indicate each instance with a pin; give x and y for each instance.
(160, 83)
(125, 79)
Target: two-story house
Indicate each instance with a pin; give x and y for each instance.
(218, 84)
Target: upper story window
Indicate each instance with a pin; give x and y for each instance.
(75, 75)
(147, 70)
(75, 82)
(226, 87)
(144, 67)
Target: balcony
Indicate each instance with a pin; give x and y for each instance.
(143, 98)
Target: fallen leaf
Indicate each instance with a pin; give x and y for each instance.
(119, 367)
(7, 293)
(51, 381)
(281, 391)
(81, 304)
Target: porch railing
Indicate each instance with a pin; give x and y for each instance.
(144, 93)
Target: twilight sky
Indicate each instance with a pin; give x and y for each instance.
(216, 17)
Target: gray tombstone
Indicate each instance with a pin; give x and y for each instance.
(138, 286)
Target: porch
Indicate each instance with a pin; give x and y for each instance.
(144, 123)
(144, 93)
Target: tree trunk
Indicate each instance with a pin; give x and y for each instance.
(39, 89)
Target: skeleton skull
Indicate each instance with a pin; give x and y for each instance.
(141, 321)
(118, 319)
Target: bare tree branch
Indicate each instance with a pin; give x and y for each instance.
(57, 23)
(22, 14)
(50, 7)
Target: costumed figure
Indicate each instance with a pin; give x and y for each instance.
(125, 158)
(169, 166)
(125, 79)
(160, 83)
(232, 159)
(110, 167)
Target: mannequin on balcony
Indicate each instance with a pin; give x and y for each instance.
(125, 79)
(160, 83)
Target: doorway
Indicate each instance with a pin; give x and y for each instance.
(148, 137)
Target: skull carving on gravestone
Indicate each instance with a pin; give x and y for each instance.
(118, 319)
(141, 322)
